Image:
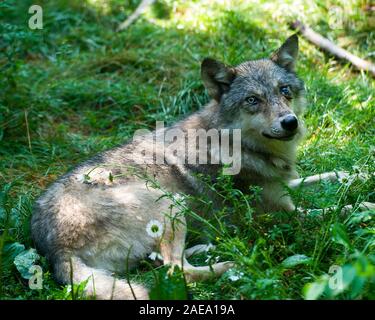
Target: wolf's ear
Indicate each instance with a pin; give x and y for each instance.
(217, 77)
(286, 55)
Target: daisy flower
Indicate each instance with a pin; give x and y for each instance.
(154, 229)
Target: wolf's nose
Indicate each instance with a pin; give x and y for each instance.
(289, 123)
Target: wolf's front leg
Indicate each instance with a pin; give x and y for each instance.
(311, 180)
(274, 198)
(363, 206)
(172, 249)
(331, 177)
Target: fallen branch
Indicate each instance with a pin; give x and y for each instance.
(332, 48)
(134, 16)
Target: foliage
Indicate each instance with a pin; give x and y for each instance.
(77, 87)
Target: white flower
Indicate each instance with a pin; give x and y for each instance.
(356, 169)
(212, 258)
(154, 229)
(363, 176)
(179, 200)
(235, 275)
(178, 197)
(234, 278)
(155, 255)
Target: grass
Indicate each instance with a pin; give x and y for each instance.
(77, 87)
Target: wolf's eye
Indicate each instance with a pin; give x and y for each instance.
(252, 100)
(285, 91)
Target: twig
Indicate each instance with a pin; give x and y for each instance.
(134, 16)
(127, 273)
(28, 131)
(71, 278)
(332, 48)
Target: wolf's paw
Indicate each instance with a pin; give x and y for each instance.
(193, 274)
(342, 176)
(199, 248)
(364, 206)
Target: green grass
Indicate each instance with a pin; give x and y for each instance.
(77, 87)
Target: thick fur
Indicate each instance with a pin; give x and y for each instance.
(97, 225)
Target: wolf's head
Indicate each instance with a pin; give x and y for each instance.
(264, 98)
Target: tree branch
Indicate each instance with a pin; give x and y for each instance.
(332, 48)
(135, 15)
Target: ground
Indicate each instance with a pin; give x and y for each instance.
(77, 87)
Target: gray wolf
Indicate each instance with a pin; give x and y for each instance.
(92, 221)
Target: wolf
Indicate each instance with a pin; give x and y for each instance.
(92, 223)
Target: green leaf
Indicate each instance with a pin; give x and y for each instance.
(77, 292)
(10, 251)
(357, 287)
(340, 236)
(3, 214)
(314, 290)
(349, 273)
(24, 261)
(169, 286)
(295, 260)
(361, 216)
